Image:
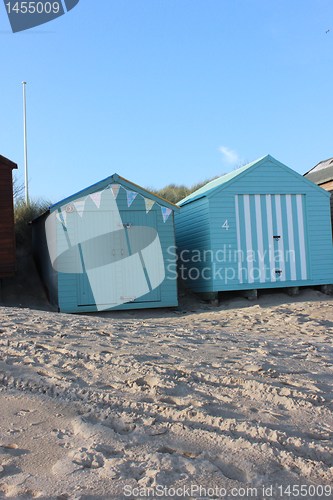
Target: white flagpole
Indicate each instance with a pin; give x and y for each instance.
(25, 143)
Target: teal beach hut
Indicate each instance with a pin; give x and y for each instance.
(261, 226)
(107, 247)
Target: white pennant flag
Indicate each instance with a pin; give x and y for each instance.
(79, 206)
(149, 204)
(62, 216)
(96, 198)
(115, 190)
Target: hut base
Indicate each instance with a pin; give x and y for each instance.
(327, 289)
(250, 294)
(212, 297)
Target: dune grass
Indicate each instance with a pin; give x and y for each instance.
(176, 192)
(23, 214)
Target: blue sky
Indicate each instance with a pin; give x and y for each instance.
(164, 91)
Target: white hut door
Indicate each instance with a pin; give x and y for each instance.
(122, 274)
(134, 221)
(107, 245)
(271, 238)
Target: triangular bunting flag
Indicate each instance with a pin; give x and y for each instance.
(165, 213)
(96, 198)
(61, 216)
(131, 195)
(79, 205)
(115, 190)
(149, 204)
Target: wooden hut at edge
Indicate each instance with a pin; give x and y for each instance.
(261, 226)
(322, 175)
(7, 232)
(107, 247)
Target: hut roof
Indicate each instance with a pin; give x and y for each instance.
(223, 181)
(5, 162)
(322, 172)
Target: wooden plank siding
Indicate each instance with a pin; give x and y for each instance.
(328, 186)
(73, 285)
(243, 214)
(193, 238)
(332, 210)
(67, 283)
(7, 233)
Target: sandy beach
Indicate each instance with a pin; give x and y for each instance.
(119, 405)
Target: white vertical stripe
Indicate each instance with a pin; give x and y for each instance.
(240, 278)
(270, 236)
(282, 263)
(248, 235)
(261, 256)
(301, 235)
(291, 239)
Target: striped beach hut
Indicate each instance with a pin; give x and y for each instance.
(107, 247)
(261, 226)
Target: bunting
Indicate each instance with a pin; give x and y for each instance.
(149, 204)
(79, 205)
(61, 216)
(165, 213)
(131, 195)
(115, 190)
(97, 199)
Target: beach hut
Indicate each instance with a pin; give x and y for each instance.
(322, 175)
(261, 226)
(7, 233)
(107, 247)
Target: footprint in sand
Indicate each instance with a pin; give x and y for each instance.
(88, 458)
(13, 450)
(62, 433)
(22, 413)
(229, 470)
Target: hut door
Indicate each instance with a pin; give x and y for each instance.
(271, 238)
(114, 268)
(98, 283)
(140, 230)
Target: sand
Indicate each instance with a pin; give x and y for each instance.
(119, 405)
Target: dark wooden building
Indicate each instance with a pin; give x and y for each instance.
(7, 233)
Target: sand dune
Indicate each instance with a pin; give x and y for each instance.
(230, 397)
